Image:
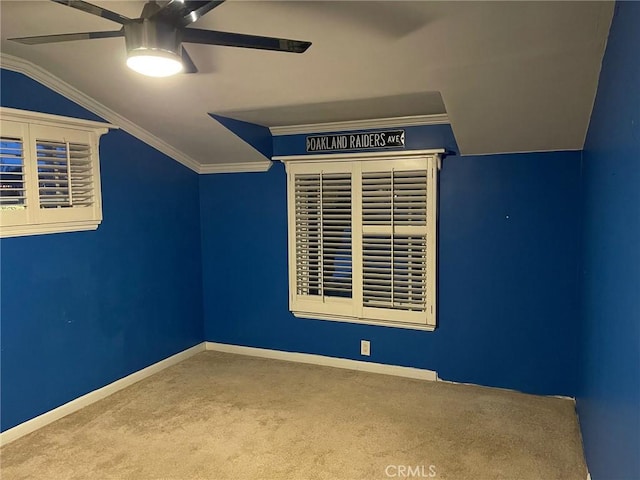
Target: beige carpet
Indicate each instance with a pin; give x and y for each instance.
(222, 416)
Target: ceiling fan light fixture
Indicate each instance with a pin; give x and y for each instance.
(154, 63)
(154, 40)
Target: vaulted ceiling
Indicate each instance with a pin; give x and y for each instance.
(511, 76)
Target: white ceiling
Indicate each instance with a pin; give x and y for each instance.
(512, 76)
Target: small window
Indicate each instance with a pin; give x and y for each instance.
(12, 193)
(49, 172)
(362, 237)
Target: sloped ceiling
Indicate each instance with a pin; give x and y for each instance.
(512, 76)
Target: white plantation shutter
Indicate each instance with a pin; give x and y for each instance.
(336, 235)
(65, 176)
(394, 242)
(12, 173)
(394, 272)
(323, 234)
(49, 173)
(362, 239)
(15, 203)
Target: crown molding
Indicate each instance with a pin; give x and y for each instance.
(50, 120)
(391, 122)
(49, 80)
(235, 167)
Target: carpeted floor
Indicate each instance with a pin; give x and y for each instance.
(223, 416)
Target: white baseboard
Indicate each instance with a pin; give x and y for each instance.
(92, 397)
(452, 382)
(398, 371)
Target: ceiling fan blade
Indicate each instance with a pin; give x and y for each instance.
(66, 37)
(95, 10)
(210, 37)
(183, 12)
(187, 63)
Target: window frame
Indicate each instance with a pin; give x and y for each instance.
(34, 127)
(352, 310)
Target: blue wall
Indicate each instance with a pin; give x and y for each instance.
(258, 136)
(507, 271)
(539, 267)
(80, 310)
(609, 396)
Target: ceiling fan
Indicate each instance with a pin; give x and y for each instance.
(154, 41)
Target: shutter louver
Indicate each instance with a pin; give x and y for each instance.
(12, 177)
(336, 235)
(65, 177)
(307, 205)
(323, 234)
(394, 241)
(394, 274)
(410, 198)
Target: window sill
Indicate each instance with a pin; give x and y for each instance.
(46, 228)
(364, 321)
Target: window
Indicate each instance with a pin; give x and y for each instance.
(362, 237)
(49, 173)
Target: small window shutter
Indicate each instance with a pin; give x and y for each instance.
(12, 173)
(64, 174)
(394, 240)
(49, 173)
(323, 235)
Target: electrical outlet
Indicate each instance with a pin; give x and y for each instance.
(365, 347)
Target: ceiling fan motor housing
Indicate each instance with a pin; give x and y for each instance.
(144, 35)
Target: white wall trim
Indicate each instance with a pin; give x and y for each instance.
(47, 228)
(396, 370)
(562, 397)
(235, 167)
(74, 405)
(364, 321)
(56, 121)
(51, 416)
(391, 122)
(49, 80)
